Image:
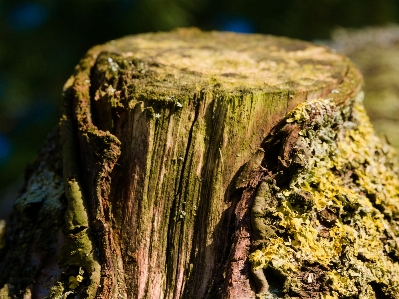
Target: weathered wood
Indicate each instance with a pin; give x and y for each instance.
(167, 140)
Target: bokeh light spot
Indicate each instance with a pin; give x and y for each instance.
(27, 16)
(5, 149)
(239, 25)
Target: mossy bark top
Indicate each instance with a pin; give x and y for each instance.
(188, 57)
(187, 60)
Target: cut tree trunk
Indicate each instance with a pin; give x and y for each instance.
(207, 165)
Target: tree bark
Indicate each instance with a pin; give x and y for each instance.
(207, 165)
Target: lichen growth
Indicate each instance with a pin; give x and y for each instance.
(74, 281)
(57, 291)
(339, 210)
(4, 292)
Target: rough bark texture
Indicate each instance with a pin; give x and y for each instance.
(169, 142)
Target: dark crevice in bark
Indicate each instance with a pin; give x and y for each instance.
(234, 194)
(32, 211)
(173, 216)
(199, 285)
(239, 282)
(227, 228)
(378, 293)
(275, 280)
(77, 230)
(189, 145)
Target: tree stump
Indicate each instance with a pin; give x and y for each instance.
(207, 165)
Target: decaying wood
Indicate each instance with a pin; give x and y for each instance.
(167, 144)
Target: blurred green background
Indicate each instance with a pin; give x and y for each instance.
(41, 41)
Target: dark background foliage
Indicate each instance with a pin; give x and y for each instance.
(41, 41)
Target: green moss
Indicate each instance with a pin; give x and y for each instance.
(337, 213)
(79, 250)
(76, 214)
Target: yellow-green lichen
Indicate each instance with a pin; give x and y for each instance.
(57, 291)
(5, 292)
(74, 281)
(339, 211)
